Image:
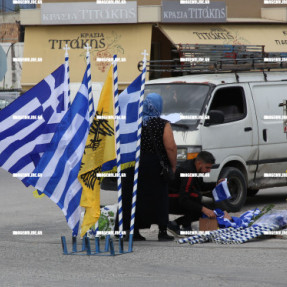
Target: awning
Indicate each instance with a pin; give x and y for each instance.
(273, 36)
(46, 42)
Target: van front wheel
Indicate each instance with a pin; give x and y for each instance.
(252, 192)
(237, 188)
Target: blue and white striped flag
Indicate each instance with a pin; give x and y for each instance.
(59, 166)
(242, 221)
(28, 124)
(129, 108)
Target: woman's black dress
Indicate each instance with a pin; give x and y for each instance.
(152, 193)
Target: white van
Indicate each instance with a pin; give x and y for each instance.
(7, 97)
(244, 132)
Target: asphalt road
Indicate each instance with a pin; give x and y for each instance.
(38, 260)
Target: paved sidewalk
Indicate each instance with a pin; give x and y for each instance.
(38, 260)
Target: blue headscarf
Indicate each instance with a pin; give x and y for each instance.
(152, 107)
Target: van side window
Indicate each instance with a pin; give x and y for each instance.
(231, 101)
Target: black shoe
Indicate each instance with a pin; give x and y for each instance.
(138, 237)
(186, 231)
(163, 236)
(173, 228)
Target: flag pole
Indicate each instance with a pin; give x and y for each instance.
(134, 199)
(91, 106)
(118, 151)
(91, 100)
(66, 48)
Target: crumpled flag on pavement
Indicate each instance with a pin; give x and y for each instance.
(271, 221)
(242, 221)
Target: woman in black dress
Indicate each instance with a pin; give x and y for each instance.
(157, 143)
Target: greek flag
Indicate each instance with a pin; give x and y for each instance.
(28, 124)
(129, 107)
(242, 221)
(59, 166)
(221, 191)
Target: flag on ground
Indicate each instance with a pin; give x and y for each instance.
(99, 156)
(129, 108)
(28, 124)
(60, 164)
(242, 221)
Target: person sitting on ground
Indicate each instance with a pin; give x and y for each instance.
(184, 192)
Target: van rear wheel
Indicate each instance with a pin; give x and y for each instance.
(237, 188)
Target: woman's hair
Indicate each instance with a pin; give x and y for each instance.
(152, 107)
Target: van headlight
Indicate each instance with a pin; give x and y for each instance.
(181, 153)
(190, 152)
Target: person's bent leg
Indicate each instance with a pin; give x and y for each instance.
(191, 211)
(174, 225)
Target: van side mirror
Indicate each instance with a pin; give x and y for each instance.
(215, 117)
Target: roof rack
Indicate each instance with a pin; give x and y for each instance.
(197, 58)
(220, 51)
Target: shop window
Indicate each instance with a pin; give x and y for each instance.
(231, 101)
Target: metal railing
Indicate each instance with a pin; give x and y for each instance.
(197, 58)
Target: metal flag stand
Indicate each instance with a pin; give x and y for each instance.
(109, 249)
(86, 247)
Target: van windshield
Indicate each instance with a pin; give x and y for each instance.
(6, 100)
(182, 103)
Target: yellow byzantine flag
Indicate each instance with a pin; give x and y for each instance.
(99, 155)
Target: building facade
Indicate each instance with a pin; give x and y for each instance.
(11, 44)
(129, 28)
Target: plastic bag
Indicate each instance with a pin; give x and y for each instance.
(273, 217)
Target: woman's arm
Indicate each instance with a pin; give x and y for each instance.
(170, 146)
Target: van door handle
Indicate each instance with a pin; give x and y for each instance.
(248, 129)
(265, 135)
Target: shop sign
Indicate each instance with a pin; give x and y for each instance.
(88, 13)
(174, 12)
(103, 46)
